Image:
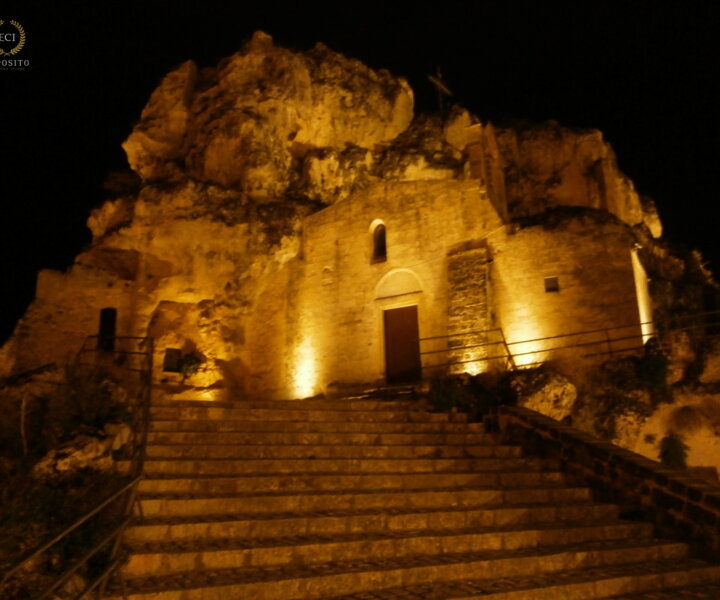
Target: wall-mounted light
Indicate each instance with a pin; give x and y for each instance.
(305, 370)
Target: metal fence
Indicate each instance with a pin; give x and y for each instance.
(476, 351)
(127, 360)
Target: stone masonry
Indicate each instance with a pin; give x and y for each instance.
(373, 497)
(468, 306)
(679, 504)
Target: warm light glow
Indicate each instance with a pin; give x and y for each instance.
(643, 297)
(475, 367)
(209, 395)
(305, 375)
(526, 353)
(471, 357)
(205, 377)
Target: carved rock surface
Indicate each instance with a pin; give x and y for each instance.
(246, 123)
(84, 452)
(549, 165)
(693, 416)
(549, 393)
(711, 365)
(204, 247)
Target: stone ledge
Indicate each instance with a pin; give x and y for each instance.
(680, 505)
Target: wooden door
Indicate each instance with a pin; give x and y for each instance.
(106, 329)
(402, 345)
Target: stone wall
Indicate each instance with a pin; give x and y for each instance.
(291, 318)
(468, 310)
(591, 261)
(345, 292)
(66, 310)
(680, 505)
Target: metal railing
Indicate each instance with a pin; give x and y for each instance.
(478, 350)
(707, 321)
(464, 351)
(129, 361)
(591, 343)
(20, 378)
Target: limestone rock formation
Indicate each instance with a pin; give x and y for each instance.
(84, 451)
(550, 165)
(290, 227)
(547, 392)
(694, 417)
(264, 115)
(205, 245)
(711, 364)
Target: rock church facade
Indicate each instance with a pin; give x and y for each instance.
(292, 223)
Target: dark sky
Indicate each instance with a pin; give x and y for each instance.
(643, 71)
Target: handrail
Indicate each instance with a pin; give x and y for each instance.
(25, 375)
(68, 530)
(118, 337)
(454, 348)
(472, 331)
(613, 335)
(576, 345)
(511, 358)
(140, 412)
(145, 417)
(84, 559)
(585, 332)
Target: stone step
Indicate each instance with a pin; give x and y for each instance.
(340, 404)
(644, 581)
(364, 498)
(328, 451)
(267, 438)
(309, 415)
(176, 557)
(341, 466)
(326, 579)
(187, 501)
(257, 526)
(707, 591)
(198, 425)
(386, 392)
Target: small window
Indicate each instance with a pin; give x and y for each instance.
(172, 363)
(552, 284)
(379, 244)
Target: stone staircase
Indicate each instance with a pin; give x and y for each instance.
(366, 498)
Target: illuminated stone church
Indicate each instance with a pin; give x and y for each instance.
(294, 225)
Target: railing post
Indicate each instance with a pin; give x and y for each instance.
(510, 359)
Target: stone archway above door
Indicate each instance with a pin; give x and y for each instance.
(398, 283)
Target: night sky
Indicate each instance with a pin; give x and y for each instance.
(644, 72)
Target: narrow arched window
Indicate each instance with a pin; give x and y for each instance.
(379, 244)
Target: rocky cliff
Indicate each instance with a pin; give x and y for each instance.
(227, 161)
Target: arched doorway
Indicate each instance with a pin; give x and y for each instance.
(398, 296)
